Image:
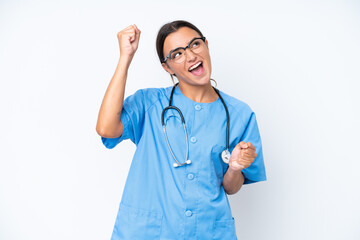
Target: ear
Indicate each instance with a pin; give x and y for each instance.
(167, 68)
(207, 43)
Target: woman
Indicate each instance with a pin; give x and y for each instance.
(181, 174)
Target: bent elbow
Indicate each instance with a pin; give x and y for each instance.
(112, 133)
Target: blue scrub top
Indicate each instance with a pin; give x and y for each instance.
(187, 202)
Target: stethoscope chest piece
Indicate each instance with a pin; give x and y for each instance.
(225, 155)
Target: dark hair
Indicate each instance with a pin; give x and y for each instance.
(166, 30)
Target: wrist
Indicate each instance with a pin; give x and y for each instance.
(125, 60)
(234, 171)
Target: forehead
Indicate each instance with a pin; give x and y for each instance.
(180, 38)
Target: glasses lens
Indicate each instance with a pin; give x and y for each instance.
(197, 45)
(178, 56)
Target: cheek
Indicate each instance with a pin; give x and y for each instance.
(209, 64)
(179, 71)
(207, 56)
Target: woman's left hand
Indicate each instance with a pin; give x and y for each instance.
(242, 156)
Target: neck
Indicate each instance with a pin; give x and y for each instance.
(201, 94)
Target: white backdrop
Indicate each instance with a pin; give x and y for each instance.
(296, 63)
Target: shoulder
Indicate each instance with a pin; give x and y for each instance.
(150, 96)
(154, 93)
(236, 105)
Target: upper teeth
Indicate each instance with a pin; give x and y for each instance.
(195, 66)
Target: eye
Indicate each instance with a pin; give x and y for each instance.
(176, 54)
(195, 44)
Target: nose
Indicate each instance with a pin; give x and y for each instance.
(190, 55)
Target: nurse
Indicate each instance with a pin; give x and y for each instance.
(163, 199)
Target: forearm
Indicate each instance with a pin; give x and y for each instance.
(109, 123)
(232, 181)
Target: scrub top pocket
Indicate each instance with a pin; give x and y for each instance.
(136, 224)
(218, 164)
(224, 229)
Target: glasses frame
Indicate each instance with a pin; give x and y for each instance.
(188, 46)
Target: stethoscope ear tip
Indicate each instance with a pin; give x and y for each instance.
(178, 165)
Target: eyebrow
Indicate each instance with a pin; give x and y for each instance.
(181, 47)
(176, 49)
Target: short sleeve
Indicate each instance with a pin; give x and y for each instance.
(132, 118)
(256, 171)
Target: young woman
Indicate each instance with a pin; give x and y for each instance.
(182, 170)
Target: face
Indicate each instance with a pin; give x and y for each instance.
(185, 71)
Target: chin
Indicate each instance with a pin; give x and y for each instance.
(204, 80)
(201, 82)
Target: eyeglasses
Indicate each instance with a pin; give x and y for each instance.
(177, 55)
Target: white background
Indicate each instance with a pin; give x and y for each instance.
(296, 63)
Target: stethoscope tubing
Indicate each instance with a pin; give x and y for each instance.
(227, 119)
(183, 122)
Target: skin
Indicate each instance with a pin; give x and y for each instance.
(109, 124)
(242, 157)
(197, 88)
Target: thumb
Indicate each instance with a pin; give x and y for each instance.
(243, 145)
(137, 33)
(235, 153)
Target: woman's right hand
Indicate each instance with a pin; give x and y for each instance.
(128, 40)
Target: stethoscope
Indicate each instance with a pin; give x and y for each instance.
(225, 155)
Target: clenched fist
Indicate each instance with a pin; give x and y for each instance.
(128, 40)
(242, 156)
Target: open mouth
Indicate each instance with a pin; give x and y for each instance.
(197, 69)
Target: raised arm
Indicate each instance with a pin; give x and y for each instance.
(109, 124)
